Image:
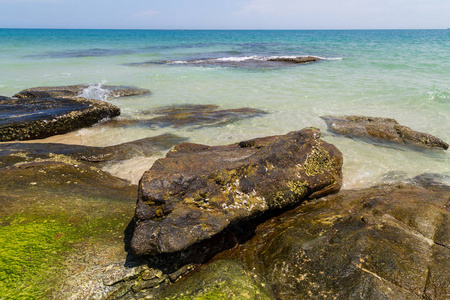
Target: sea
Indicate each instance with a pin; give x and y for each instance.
(400, 74)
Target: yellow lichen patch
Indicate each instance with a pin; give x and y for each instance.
(318, 160)
(298, 188)
(330, 220)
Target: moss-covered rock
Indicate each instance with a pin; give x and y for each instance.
(222, 279)
(60, 220)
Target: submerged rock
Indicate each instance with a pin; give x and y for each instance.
(191, 115)
(36, 118)
(197, 191)
(382, 129)
(386, 242)
(144, 147)
(81, 90)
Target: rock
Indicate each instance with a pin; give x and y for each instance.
(197, 191)
(36, 118)
(243, 62)
(224, 279)
(296, 60)
(386, 242)
(382, 129)
(191, 115)
(61, 222)
(143, 147)
(116, 273)
(81, 90)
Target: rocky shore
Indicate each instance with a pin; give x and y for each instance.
(259, 219)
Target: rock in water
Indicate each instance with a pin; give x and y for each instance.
(296, 60)
(198, 190)
(382, 129)
(80, 90)
(36, 118)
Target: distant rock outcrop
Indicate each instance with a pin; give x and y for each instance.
(197, 190)
(382, 129)
(296, 60)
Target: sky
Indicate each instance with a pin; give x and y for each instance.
(226, 14)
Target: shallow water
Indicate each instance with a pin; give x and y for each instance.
(400, 74)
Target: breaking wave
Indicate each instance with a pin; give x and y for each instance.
(95, 91)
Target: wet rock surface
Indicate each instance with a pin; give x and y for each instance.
(36, 118)
(16, 152)
(386, 242)
(195, 116)
(197, 191)
(79, 90)
(382, 130)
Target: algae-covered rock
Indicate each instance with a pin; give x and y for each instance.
(197, 191)
(60, 221)
(36, 118)
(382, 129)
(222, 279)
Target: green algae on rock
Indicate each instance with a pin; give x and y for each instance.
(59, 219)
(198, 190)
(222, 279)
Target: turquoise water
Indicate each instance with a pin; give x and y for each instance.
(401, 74)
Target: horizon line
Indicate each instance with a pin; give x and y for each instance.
(196, 29)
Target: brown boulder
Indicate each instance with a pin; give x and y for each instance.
(382, 129)
(197, 190)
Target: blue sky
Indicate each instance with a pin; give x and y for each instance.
(226, 14)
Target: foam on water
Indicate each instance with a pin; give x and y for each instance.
(95, 91)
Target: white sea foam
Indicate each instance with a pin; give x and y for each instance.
(95, 91)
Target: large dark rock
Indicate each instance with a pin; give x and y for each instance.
(386, 242)
(195, 116)
(382, 129)
(197, 191)
(35, 118)
(77, 91)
